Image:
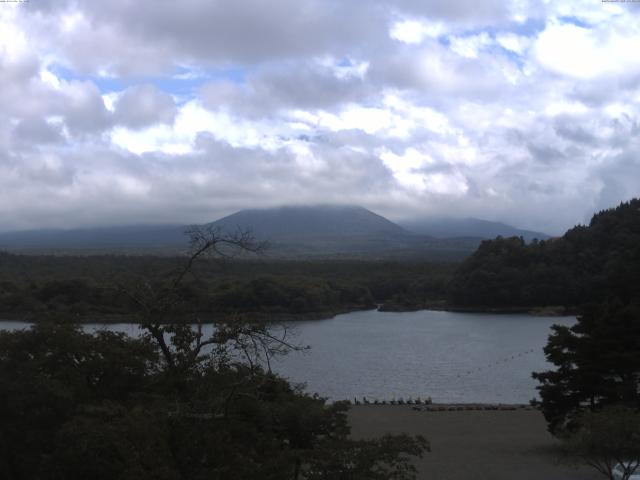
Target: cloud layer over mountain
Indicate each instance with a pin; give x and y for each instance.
(151, 112)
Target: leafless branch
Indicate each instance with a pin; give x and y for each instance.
(180, 343)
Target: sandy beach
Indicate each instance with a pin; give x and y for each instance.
(473, 444)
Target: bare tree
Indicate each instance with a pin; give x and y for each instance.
(182, 343)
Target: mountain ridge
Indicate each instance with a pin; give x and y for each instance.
(293, 231)
(448, 227)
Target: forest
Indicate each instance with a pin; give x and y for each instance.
(93, 287)
(589, 263)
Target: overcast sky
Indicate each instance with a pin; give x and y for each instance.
(120, 112)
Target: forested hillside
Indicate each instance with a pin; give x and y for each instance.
(588, 263)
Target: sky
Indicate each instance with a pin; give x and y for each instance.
(158, 111)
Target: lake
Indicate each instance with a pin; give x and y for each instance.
(448, 356)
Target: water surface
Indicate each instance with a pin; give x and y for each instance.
(451, 357)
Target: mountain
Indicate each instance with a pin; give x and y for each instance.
(468, 227)
(298, 231)
(308, 222)
(292, 231)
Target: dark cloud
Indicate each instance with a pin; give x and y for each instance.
(84, 109)
(306, 85)
(30, 132)
(144, 105)
(434, 70)
(545, 154)
(488, 11)
(131, 37)
(570, 129)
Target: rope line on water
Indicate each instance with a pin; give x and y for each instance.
(508, 359)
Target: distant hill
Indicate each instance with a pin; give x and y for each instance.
(587, 264)
(468, 227)
(104, 238)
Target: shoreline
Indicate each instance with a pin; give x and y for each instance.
(541, 311)
(205, 318)
(212, 318)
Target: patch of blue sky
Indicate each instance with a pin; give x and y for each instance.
(509, 54)
(182, 87)
(575, 21)
(235, 75)
(529, 28)
(492, 49)
(182, 82)
(105, 84)
(444, 40)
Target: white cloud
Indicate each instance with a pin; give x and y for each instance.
(411, 170)
(470, 46)
(586, 52)
(415, 31)
(514, 43)
(13, 40)
(149, 112)
(560, 107)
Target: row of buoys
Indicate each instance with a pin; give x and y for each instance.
(498, 362)
(394, 401)
(427, 406)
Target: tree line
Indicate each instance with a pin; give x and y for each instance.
(83, 287)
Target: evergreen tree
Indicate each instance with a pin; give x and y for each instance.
(597, 363)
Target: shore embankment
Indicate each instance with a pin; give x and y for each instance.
(280, 316)
(542, 311)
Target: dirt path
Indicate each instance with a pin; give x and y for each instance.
(473, 445)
